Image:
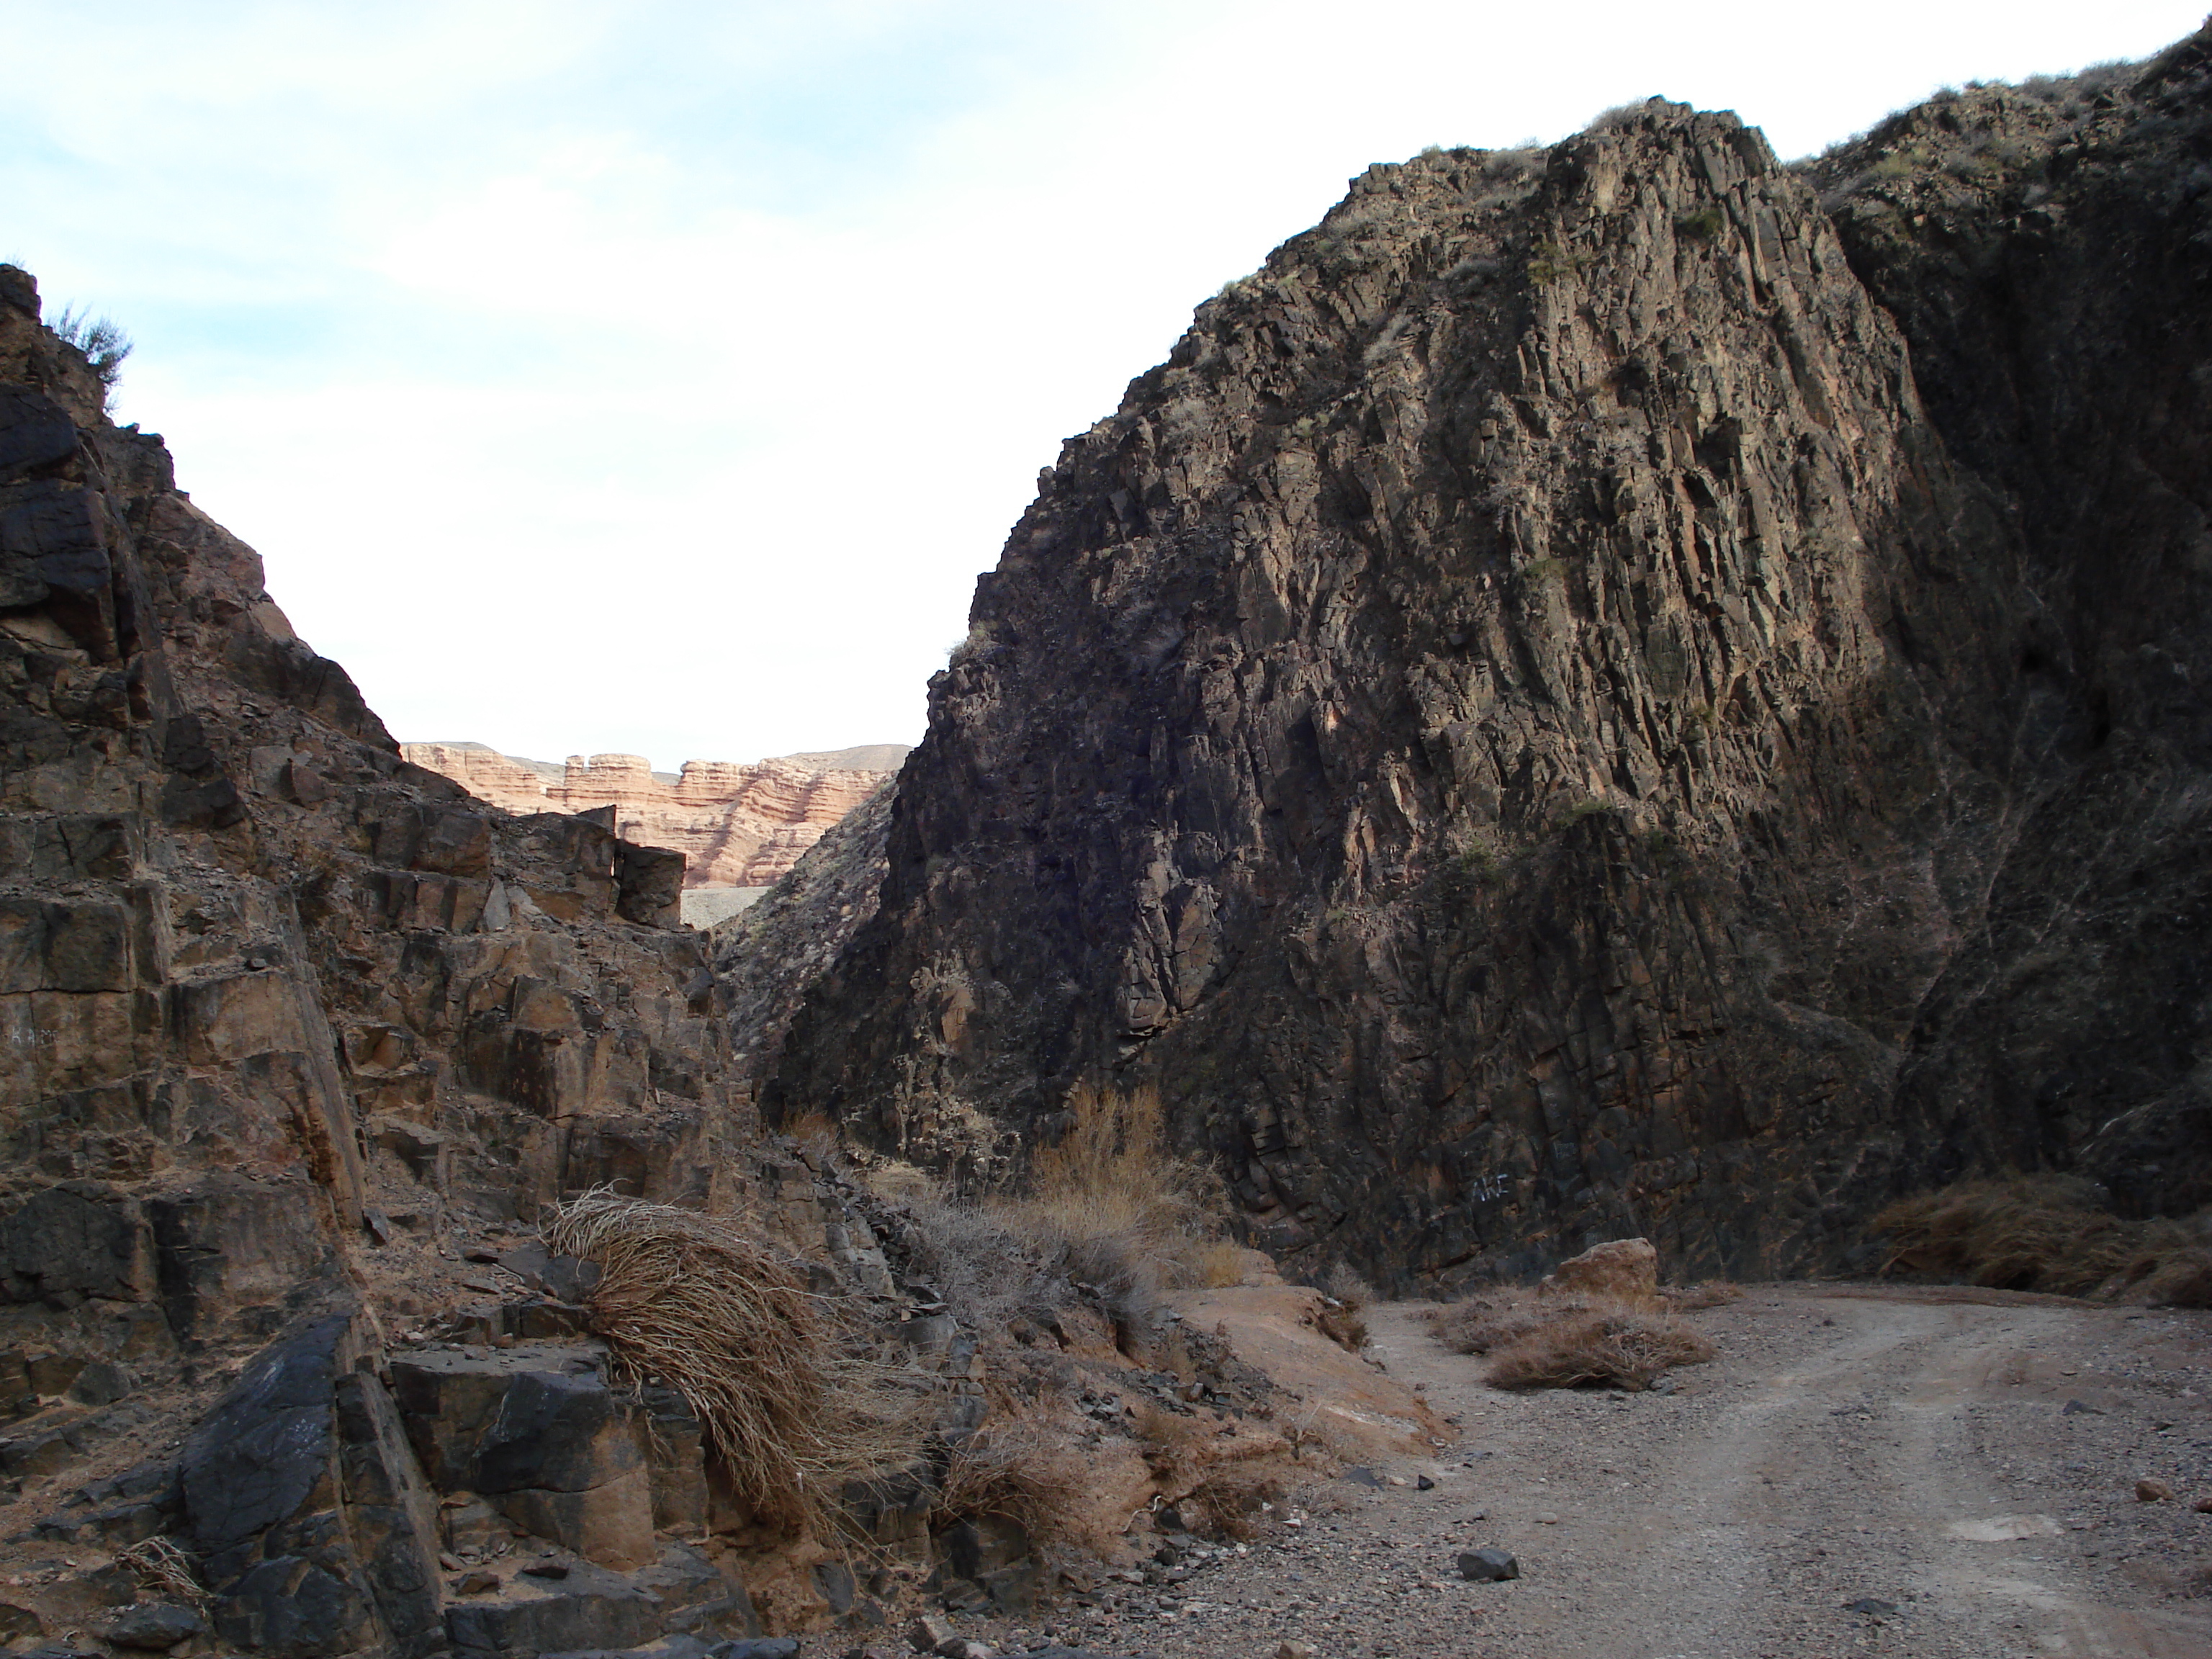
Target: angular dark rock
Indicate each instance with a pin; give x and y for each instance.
(156, 1627)
(313, 1525)
(591, 1608)
(1546, 719)
(553, 1448)
(1488, 1565)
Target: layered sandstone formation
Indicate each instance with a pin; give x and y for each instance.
(1600, 694)
(737, 825)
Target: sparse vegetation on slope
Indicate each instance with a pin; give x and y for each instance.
(1107, 1205)
(791, 1410)
(104, 344)
(2049, 1233)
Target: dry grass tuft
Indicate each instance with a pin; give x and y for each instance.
(162, 1566)
(2048, 1233)
(1216, 1263)
(1618, 1346)
(1696, 1298)
(1022, 1466)
(1110, 1201)
(1572, 1342)
(790, 1408)
(1345, 1285)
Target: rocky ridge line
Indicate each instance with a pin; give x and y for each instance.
(1529, 730)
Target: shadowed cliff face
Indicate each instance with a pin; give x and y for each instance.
(2049, 252)
(1516, 727)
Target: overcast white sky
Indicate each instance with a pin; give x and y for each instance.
(657, 376)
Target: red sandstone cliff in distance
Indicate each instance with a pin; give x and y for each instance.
(737, 825)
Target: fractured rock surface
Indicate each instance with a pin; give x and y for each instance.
(301, 1037)
(1592, 696)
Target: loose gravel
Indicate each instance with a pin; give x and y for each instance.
(1946, 1475)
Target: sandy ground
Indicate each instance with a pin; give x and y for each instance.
(1962, 1466)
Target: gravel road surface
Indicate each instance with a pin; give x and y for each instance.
(1933, 1473)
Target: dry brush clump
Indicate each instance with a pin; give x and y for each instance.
(1346, 1298)
(1699, 1297)
(1618, 1346)
(2048, 1233)
(1126, 1209)
(1107, 1207)
(1024, 1465)
(1569, 1342)
(162, 1565)
(790, 1400)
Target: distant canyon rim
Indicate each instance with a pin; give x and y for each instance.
(740, 826)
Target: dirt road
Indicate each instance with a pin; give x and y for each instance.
(1857, 1472)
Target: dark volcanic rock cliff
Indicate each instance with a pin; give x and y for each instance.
(1591, 695)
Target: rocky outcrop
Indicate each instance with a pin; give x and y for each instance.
(519, 785)
(1529, 730)
(2043, 248)
(767, 955)
(735, 825)
(300, 1035)
(306, 1040)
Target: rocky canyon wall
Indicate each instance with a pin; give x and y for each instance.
(301, 1039)
(1625, 689)
(737, 825)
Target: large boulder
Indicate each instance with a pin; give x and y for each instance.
(313, 1524)
(535, 1429)
(1627, 1268)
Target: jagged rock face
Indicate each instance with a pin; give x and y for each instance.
(1516, 727)
(2046, 249)
(260, 979)
(766, 956)
(735, 825)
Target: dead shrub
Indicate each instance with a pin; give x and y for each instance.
(1617, 1347)
(1696, 1298)
(1024, 1466)
(1108, 1211)
(1168, 1436)
(1345, 1296)
(1478, 1325)
(1342, 1326)
(984, 1270)
(162, 1566)
(1566, 1342)
(1229, 1499)
(2048, 1233)
(1128, 1216)
(786, 1400)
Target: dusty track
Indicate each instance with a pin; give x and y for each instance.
(1902, 1448)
